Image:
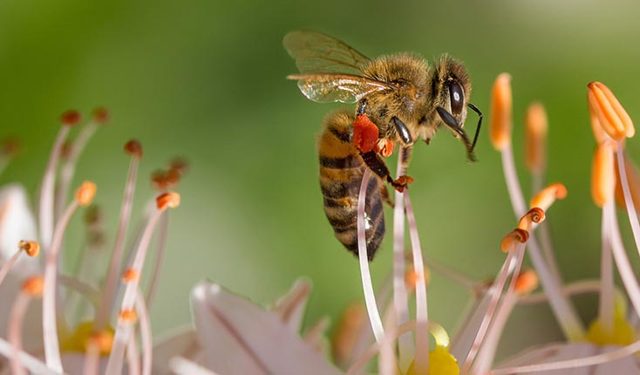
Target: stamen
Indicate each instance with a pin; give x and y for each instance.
(367, 286)
(598, 132)
(603, 178)
(31, 288)
(145, 333)
(134, 149)
(45, 216)
(534, 216)
(9, 147)
(32, 363)
(526, 282)
(400, 299)
(133, 363)
(612, 116)
(83, 195)
(345, 340)
(628, 200)
(130, 275)
(422, 338)
(183, 366)
(161, 247)
(509, 241)
(6, 267)
(124, 329)
(500, 119)
(535, 145)
(545, 198)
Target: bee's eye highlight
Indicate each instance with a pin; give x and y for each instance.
(457, 97)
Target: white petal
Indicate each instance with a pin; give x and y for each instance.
(16, 223)
(291, 306)
(183, 343)
(239, 337)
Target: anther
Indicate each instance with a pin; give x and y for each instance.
(92, 215)
(33, 286)
(168, 200)
(133, 148)
(526, 282)
(545, 198)
(128, 316)
(100, 115)
(612, 116)
(536, 134)
(31, 248)
(603, 176)
(533, 216)
(517, 235)
(85, 193)
(10, 146)
(70, 118)
(103, 340)
(179, 165)
(500, 119)
(129, 275)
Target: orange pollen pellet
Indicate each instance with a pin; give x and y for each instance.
(129, 275)
(33, 286)
(128, 316)
(603, 176)
(536, 134)
(545, 198)
(133, 148)
(103, 340)
(100, 115)
(32, 248)
(612, 116)
(526, 282)
(517, 235)
(168, 200)
(70, 118)
(500, 118)
(85, 193)
(533, 216)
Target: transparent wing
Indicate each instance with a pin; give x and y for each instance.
(319, 53)
(344, 88)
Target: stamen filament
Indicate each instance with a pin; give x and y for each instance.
(183, 366)
(161, 248)
(628, 200)
(367, 286)
(32, 363)
(422, 317)
(14, 331)
(606, 304)
(400, 298)
(6, 267)
(133, 363)
(116, 256)
(145, 333)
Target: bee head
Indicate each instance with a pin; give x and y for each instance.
(452, 88)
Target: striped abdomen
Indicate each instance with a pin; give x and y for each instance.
(341, 170)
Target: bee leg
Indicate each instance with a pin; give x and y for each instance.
(402, 131)
(377, 165)
(451, 122)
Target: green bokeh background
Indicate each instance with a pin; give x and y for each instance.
(205, 80)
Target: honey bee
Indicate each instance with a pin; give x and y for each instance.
(400, 99)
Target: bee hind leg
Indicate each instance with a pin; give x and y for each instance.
(377, 165)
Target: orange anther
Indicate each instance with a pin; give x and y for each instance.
(85, 193)
(128, 316)
(70, 118)
(536, 135)
(509, 241)
(100, 115)
(129, 275)
(168, 200)
(31, 248)
(545, 198)
(133, 148)
(103, 340)
(611, 115)
(603, 176)
(533, 216)
(526, 282)
(33, 286)
(500, 118)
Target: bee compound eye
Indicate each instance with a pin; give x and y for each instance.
(456, 96)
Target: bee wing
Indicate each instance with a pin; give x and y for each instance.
(344, 88)
(319, 53)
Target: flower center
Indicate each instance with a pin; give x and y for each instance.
(441, 362)
(79, 339)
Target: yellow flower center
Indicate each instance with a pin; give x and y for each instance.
(80, 338)
(441, 362)
(622, 332)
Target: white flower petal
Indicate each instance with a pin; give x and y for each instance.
(239, 337)
(184, 344)
(291, 306)
(16, 223)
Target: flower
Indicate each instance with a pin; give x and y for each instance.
(79, 344)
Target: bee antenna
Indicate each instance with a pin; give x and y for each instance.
(475, 137)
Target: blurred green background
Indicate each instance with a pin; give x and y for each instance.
(205, 80)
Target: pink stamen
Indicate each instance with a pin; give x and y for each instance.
(32, 363)
(606, 304)
(124, 328)
(592, 360)
(161, 248)
(387, 360)
(47, 189)
(400, 298)
(14, 330)
(116, 256)
(145, 333)
(49, 316)
(628, 200)
(133, 356)
(91, 359)
(367, 286)
(6, 267)
(579, 287)
(422, 317)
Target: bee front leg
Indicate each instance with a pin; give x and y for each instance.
(377, 165)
